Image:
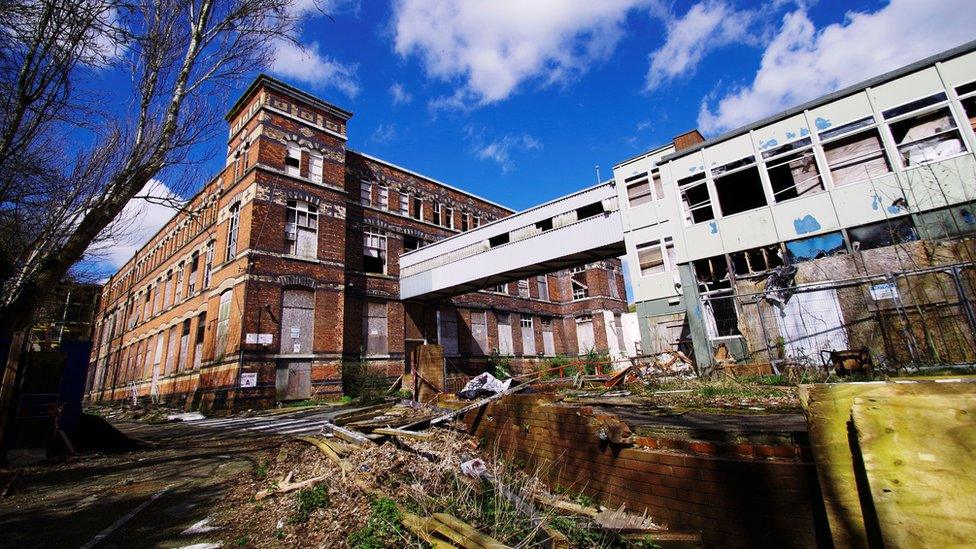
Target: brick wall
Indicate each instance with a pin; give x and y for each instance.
(734, 500)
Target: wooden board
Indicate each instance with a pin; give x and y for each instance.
(828, 410)
(919, 455)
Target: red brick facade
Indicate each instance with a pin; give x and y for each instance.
(285, 223)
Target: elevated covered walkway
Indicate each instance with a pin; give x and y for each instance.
(567, 232)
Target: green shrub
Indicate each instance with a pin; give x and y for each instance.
(382, 529)
(359, 382)
(499, 365)
(307, 501)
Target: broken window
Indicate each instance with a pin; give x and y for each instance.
(657, 184)
(580, 289)
(476, 221)
(695, 199)
(590, 210)
(375, 328)
(223, 324)
(435, 208)
(447, 331)
(544, 225)
(383, 196)
(721, 316)
(374, 251)
(198, 343)
(967, 96)
(168, 297)
(543, 283)
(498, 240)
(179, 283)
(232, 225)
(417, 208)
(412, 243)
(738, 186)
(815, 247)
(856, 157)
(449, 217)
(208, 264)
(915, 105)
(501, 289)
(712, 273)
(465, 221)
(927, 137)
(651, 256)
(793, 172)
(638, 190)
(756, 261)
(528, 335)
(882, 233)
(365, 193)
(301, 228)
(293, 159)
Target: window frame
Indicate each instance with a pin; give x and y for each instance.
(233, 227)
(856, 127)
(301, 216)
(921, 113)
(694, 181)
(778, 159)
(382, 249)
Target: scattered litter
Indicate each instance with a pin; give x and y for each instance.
(483, 385)
(201, 527)
(474, 468)
(202, 546)
(186, 416)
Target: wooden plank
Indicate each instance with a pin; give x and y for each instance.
(329, 452)
(828, 410)
(350, 436)
(402, 433)
(919, 455)
(478, 404)
(477, 538)
(362, 413)
(420, 528)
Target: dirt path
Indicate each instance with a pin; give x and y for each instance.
(144, 498)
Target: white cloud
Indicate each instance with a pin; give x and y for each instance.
(136, 224)
(500, 150)
(490, 48)
(311, 66)
(707, 25)
(801, 62)
(384, 133)
(400, 95)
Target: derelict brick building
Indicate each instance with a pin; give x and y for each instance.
(286, 264)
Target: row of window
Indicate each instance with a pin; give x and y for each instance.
(165, 353)
(412, 205)
(921, 131)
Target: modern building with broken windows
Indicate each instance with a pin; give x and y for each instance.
(844, 223)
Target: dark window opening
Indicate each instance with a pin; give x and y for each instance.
(373, 264)
(590, 210)
(969, 105)
(292, 162)
(915, 105)
(544, 225)
(412, 243)
(713, 273)
(725, 316)
(756, 261)
(740, 191)
(740, 163)
(417, 208)
(846, 128)
(498, 240)
(883, 233)
(966, 88)
(782, 149)
(694, 196)
(816, 247)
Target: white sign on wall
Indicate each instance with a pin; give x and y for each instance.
(249, 379)
(260, 339)
(886, 290)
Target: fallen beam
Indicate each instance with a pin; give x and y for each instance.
(402, 433)
(329, 452)
(348, 435)
(285, 487)
(465, 409)
(477, 539)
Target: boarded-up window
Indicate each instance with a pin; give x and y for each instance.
(383, 197)
(173, 349)
(528, 335)
(184, 345)
(650, 257)
(584, 334)
(179, 282)
(223, 324)
(479, 333)
(375, 328)
(404, 203)
(638, 190)
(366, 193)
(612, 281)
(447, 331)
(198, 344)
(505, 346)
(297, 321)
(301, 228)
(158, 356)
(548, 342)
(168, 299)
(856, 158)
(148, 361)
(315, 166)
(523, 288)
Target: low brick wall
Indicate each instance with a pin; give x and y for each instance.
(734, 501)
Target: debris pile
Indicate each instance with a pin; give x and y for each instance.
(374, 482)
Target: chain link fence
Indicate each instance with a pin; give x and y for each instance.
(912, 318)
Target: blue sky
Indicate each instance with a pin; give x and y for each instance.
(518, 100)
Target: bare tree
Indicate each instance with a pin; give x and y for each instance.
(68, 162)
